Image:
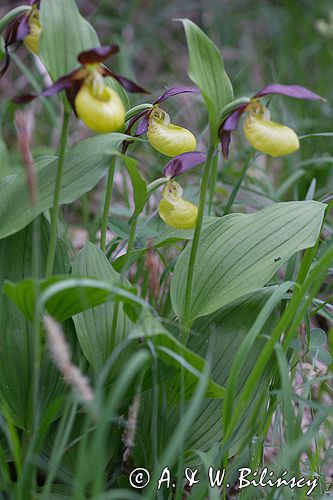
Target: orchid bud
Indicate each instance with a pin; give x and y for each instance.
(31, 41)
(167, 138)
(99, 107)
(266, 136)
(174, 210)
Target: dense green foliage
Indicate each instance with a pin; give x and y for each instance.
(147, 346)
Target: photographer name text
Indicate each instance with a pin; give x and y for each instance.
(140, 478)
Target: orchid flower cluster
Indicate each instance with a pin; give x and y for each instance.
(101, 109)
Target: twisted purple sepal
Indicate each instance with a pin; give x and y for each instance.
(16, 31)
(231, 122)
(64, 83)
(23, 28)
(143, 125)
(296, 91)
(229, 125)
(175, 91)
(128, 84)
(183, 162)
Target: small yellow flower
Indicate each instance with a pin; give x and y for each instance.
(167, 138)
(99, 106)
(174, 210)
(31, 41)
(266, 136)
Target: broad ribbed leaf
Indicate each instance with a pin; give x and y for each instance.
(16, 334)
(240, 253)
(65, 34)
(221, 334)
(94, 326)
(217, 337)
(206, 70)
(85, 164)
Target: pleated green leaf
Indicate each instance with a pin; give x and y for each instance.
(85, 164)
(94, 326)
(16, 333)
(221, 334)
(240, 253)
(206, 70)
(65, 34)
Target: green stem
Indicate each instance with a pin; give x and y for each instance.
(56, 198)
(109, 187)
(124, 269)
(130, 245)
(212, 182)
(85, 209)
(238, 184)
(195, 242)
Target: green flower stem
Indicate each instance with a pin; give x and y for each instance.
(85, 210)
(195, 242)
(239, 182)
(56, 198)
(130, 245)
(212, 182)
(124, 269)
(108, 194)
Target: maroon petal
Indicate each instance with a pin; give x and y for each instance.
(230, 124)
(10, 36)
(64, 83)
(183, 162)
(143, 125)
(16, 31)
(98, 54)
(225, 139)
(296, 91)
(175, 91)
(24, 99)
(134, 119)
(128, 85)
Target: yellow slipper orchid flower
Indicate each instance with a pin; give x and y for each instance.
(168, 139)
(263, 134)
(174, 210)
